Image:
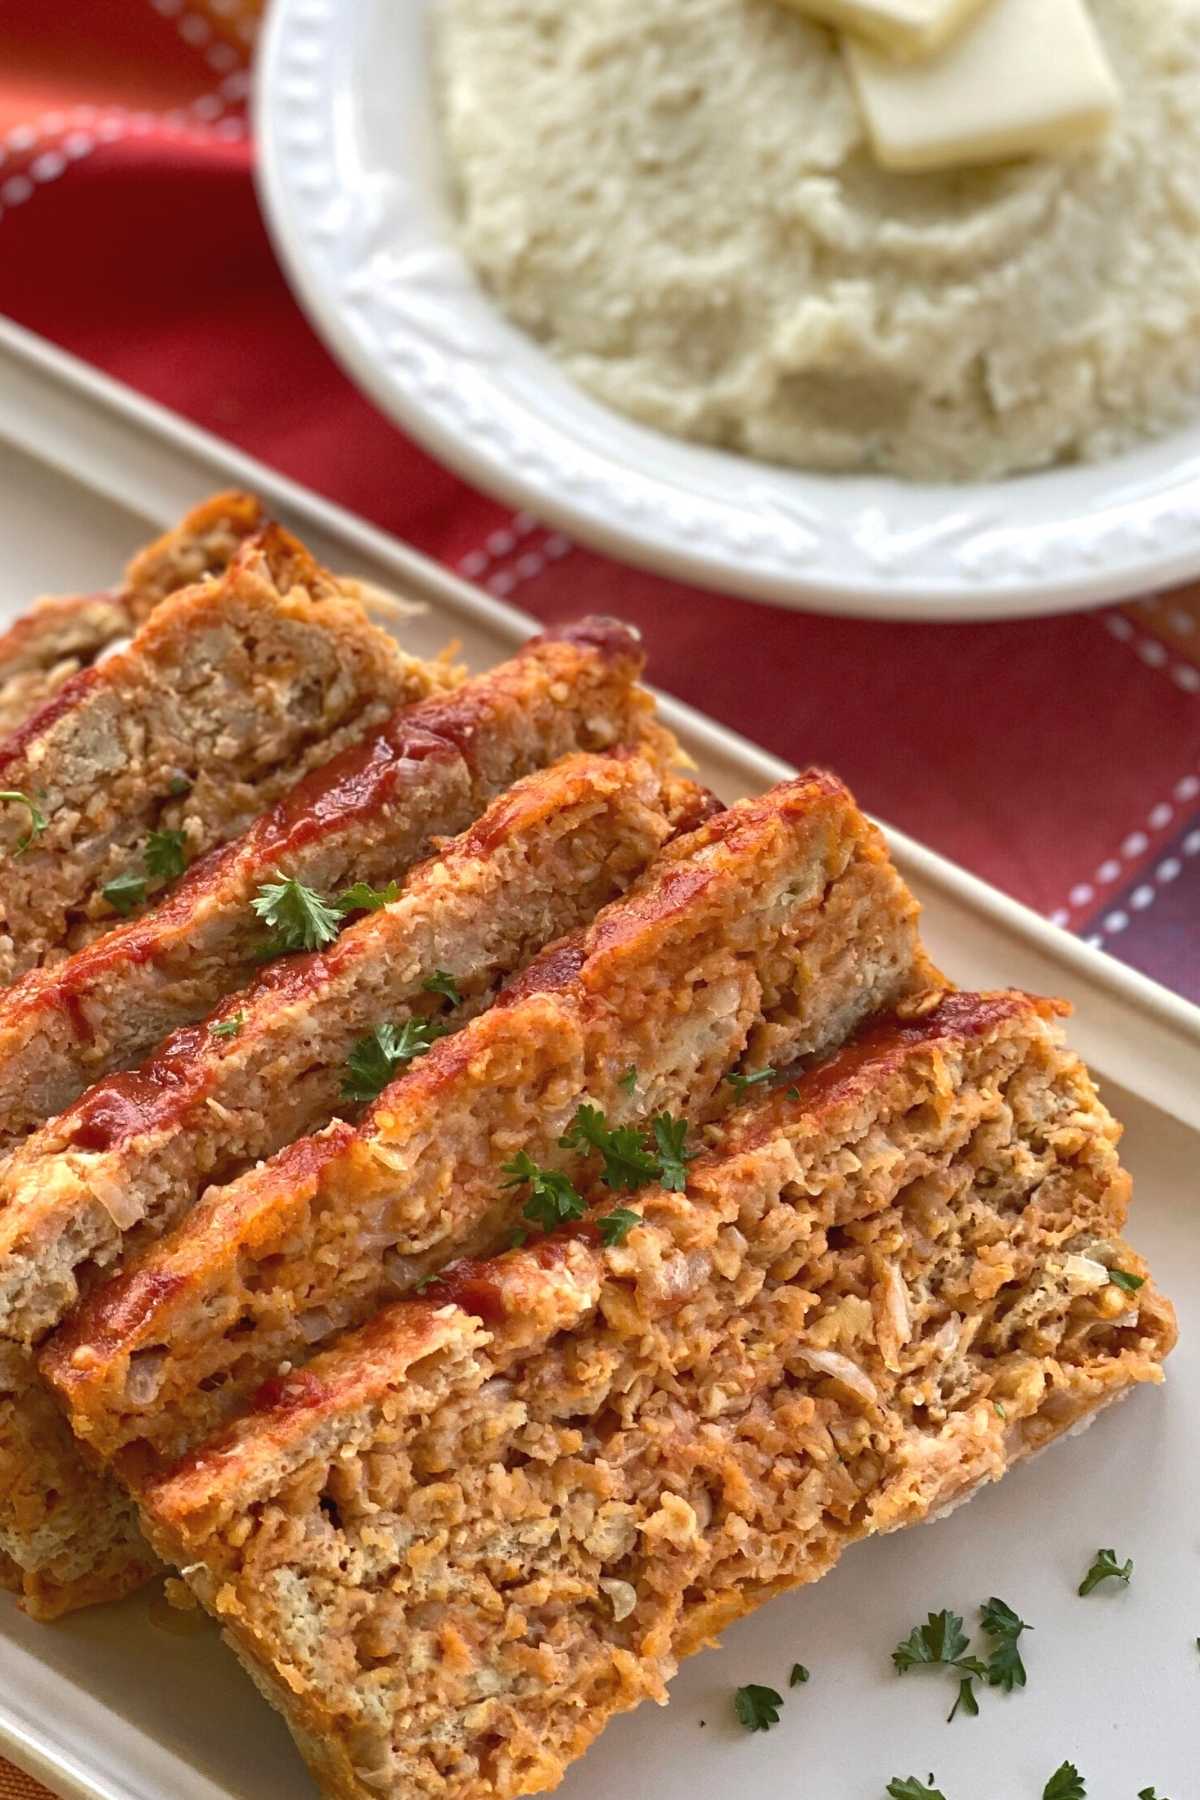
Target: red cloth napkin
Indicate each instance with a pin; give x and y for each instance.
(1059, 758)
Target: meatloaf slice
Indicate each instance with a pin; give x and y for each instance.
(59, 636)
(367, 815)
(131, 1156)
(776, 927)
(546, 854)
(456, 1544)
(231, 690)
(46, 1483)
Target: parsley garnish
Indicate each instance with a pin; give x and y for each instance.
(1004, 1666)
(616, 1226)
(1105, 1567)
(228, 1027)
(792, 1093)
(178, 786)
(426, 1281)
(629, 1079)
(911, 1789)
(1150, 1794)
(1066, 1783)
(442, 982)
(37, 818)
(942, 1642)
(298, 917)
(757, 1707)
(166, 854)
(553, 1197)
(739, 1083)
(1123, 1279)
(627, 1165)
(798, 1676)
(124, 892)
(519, 1238)
(376, 1057)
(362, 897)
(673, 1156)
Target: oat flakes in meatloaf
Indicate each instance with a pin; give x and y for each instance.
(452, 1547)
(367, 815)
(231, 690)
(764, 936)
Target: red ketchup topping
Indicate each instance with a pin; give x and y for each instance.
(612, 637)
(137, 1100)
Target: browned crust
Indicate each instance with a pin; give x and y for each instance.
(359, 1370)
(354, 785)
(583, 989)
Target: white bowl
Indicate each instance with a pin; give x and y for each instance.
(353, 186)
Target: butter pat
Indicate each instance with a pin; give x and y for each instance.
(904, 28)
(1026, 76)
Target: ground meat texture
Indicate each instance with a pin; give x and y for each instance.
(366, 815)
(452, 1547)
(545, 855)
(542, 858)
(231, 690)
(57, 637)
(731, 944)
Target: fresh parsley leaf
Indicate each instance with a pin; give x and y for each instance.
(673, 1156)
(37, 818)
(739, 1083)
(553, 1197)
(757, 1707)
(1004, 1666)
(629, 1079)
(362, 897)
(627, 1164)
(124, 892)
(442, 982)
(376, 1057)
(178, 786)
(518, 1238)
(1066, 1783)
(942, 1642)
(911, 1789)
(426, 1281)
(798, 1676)
(966, 1700)
(1123, 1279)
(165, 855)
(1105, 1567)
(1150, 1794)
(616, 1226)
(792, 1093)
(296, 915)
(228, 1027)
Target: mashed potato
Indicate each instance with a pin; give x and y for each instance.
(676, 197)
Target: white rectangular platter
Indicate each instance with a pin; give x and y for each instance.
(116, 1704)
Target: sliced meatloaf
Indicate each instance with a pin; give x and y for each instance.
(367, 815)
(131, 1156)
(545, 855)
(46, 1481)
(230, 691)
(452, 1547)
(772, 929)
(59, 636)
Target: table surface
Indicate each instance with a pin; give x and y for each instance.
(1058, 758)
